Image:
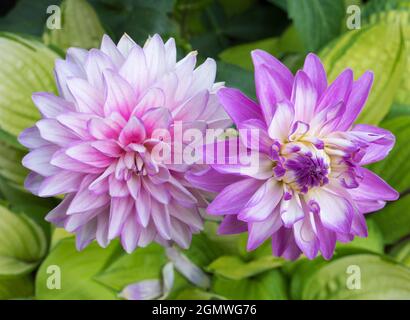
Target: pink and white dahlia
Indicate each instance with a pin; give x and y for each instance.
(96, 139)
(310, 188)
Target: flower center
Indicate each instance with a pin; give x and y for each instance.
(304, 166)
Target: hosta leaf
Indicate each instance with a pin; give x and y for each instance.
(380, 278)
(233, 267)
(301, 270)
(80, 27)
(77, 270)
(142, 264)
(393, 12)
(20, 201)
(395, 168)
(394, 220)
(379, 48)
(22, 244)
(10, 164)
(269, 285)
(401, 253)
(26, 67)
(317, 21)
(16, 288)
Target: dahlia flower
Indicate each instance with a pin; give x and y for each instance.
(310, 188)
(95, 140)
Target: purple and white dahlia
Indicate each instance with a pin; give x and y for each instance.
(310, 188)
(96, 139)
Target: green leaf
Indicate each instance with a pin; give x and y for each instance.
(80, 27)
(142, 264)
(241, 55)
(380, 279)
(280, 3)
(395, 168)
(269, 285)
(234, 7)
(394, 12)
(379, 48)
(20, 201)
(317, 21)
(22, 244)
(394, 220)
(77, 272)
(236, 77)
(202, 250)
(301, 270)
(137, 18)
(27, 16)
(401, 253)
(27, 67)
(233, 267)
(16, 288)
(10, 164)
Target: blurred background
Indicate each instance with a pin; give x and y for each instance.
(40, 262)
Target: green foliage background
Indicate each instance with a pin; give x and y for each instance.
(226, 30)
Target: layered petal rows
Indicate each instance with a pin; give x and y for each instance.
(310, 189)
(95, 142)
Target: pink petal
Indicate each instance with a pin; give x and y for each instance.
(50, 105)
(134, 70)
(120, 96)
(38, 160)
(86, 153)
(133, 132)
(88, 99)
(119, 211)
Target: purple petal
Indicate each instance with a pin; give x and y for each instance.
(260, 57)
(238, 106)
(234, 197)
(261, 230)
(231, 225)
(338, 91)
(357, 99)
(143, 290)
(270, 90)
(372, 187)
(336, 213)
(263, 202)
(313, 67)
(282, 121)
(380, 141)
(304, 97)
